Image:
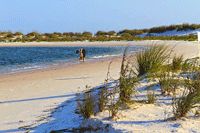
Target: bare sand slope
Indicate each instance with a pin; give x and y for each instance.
(25, 96)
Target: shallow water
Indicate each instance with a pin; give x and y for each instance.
(20, 59)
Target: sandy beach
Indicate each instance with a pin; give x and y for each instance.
(25, 96)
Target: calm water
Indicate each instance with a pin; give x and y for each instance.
(20, 59)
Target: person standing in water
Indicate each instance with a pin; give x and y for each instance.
(82, 54)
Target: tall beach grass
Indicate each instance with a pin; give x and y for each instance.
(151, 59)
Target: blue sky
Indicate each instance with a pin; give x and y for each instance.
(94, 15)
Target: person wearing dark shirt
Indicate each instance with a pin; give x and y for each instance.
(82, 54)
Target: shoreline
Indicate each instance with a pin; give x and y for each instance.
(24, 96)
(64, 61)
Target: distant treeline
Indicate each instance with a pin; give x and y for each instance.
(101, 35)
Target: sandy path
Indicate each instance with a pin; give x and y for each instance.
(24, 96)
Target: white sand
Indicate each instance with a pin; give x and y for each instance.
(25, 96)
(147, 118)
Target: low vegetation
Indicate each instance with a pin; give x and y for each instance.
(114, 104)
(188, 98)
(127, 83)
(102, 99)
(151, 59)
(150, 95)
(184, 26)
(180, 80)
(177, 63)
(130, 35)
(86, 104)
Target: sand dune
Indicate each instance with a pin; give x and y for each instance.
(25, 96)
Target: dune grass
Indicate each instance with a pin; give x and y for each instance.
(189, 97)
(86, 104)
(102, 99)
(151, 59)
(177, 63)
(150, 63)
(150, 96)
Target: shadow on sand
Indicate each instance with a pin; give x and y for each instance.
(33, 99)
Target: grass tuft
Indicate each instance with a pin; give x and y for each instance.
(127, 80)
(150, 96)
(86, 106)
(114, 105)
(176, 63)
(102, 99)
(189, 98)
(151, 59)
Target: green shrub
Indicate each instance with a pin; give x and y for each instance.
(189, 98)
(190, 65)
(167, 84)
(126, 82)
(186, 66)
(183, 104)
(150, 96)
(126, 89)
(10, 35)
(102, 99)
(86, 106)
(18, 33)
(126, 35)
(114, 105)
(176, 63)
(151, 59)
